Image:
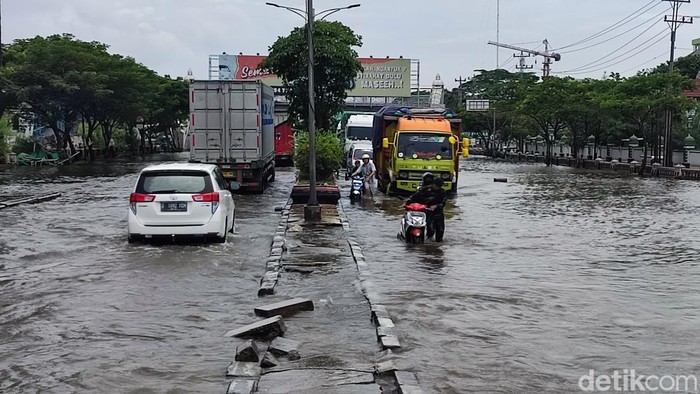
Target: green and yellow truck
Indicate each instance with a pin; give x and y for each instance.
(409, 142)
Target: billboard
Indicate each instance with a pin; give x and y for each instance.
(381, 77)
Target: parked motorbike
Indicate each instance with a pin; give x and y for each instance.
(414, 224)
(357, 188)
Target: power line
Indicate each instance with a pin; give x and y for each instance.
(622, 55)
(621, 34)
(646, 62)
(614, 26)
(594, 63)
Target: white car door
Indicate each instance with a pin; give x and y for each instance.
(226, 197)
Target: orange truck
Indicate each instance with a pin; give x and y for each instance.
(409, 142)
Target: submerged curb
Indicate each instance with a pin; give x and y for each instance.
(387, 334)
(273, 266)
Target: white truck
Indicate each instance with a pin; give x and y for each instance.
(358, 128)
(232, 126)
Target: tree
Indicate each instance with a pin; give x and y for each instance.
(45, 75)
(335, 65)
(503, 89)
(688, 66)
(642, 100)
(542, 103)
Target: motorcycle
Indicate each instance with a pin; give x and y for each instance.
(357, 188)
(414, 224)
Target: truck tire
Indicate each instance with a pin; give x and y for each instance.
(272, 176)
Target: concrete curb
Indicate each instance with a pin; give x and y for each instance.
(272, 266)
(387, 334)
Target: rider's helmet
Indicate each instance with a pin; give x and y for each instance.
(365, 156)
(438, 182)
(428, 178)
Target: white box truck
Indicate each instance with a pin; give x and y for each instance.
(232, 126)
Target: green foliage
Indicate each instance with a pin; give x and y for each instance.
(63, 81)
(329, 155)
(23, 145)
(335, 65)
(688, 66)
(5, 135)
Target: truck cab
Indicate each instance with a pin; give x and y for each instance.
(415, 141)
(358, 128)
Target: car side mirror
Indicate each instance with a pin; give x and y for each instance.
(233, 186)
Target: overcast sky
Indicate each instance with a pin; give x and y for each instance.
(449, 37)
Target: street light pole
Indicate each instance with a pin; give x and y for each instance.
(312, 210)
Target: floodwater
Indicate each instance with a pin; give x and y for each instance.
(539, 280)
(81, 310)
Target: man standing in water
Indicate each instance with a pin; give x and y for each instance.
(367, 170)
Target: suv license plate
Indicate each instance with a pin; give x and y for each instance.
(179, 206)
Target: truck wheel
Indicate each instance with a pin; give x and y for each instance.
(272, 176)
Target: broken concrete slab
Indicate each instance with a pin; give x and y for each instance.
(407, 381)
(383, 331)
(317, 381)
(285, 308)
(390, 342)
(242, 386)
(382, 321)
(276, 252)
(243, 369)
(265, 329)
(283, 347)
(384, 366)
(270, 276)
(249, 351)
(269, 360)
(267, 288)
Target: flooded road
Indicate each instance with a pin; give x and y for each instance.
(539, 280)
(542, 279)
(83, 311)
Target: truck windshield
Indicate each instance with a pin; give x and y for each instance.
(424, 146)
(359, 133)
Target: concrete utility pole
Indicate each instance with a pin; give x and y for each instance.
(0, 33)
(674, 22)
(521, 66)
(460, 80)
(312, 211)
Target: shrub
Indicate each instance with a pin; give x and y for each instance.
(329, 155)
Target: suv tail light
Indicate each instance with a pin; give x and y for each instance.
(212, 197)
(139, 197)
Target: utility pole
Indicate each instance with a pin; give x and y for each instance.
(460, 80)
(498, 29)
(0, 33)
(521, 63)
(674, 22)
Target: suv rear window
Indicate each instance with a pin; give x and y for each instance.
(186, 182)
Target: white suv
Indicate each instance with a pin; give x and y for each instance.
(183, 199)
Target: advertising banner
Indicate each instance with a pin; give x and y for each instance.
(380, 78)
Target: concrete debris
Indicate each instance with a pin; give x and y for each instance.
(285, 308)
(265, 329)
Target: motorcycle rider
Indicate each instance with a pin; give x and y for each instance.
(434, 197)
(436, 204)
(367, 170)
(427, 179)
